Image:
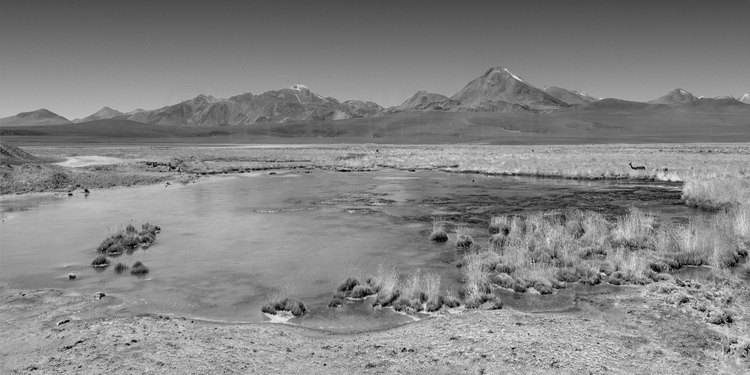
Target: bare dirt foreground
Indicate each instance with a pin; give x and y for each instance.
(637, 330)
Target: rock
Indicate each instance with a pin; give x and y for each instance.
(86, 191)
(71, 276)
(63, 322)
(99, 295)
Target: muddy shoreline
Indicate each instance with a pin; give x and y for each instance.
(52, 331)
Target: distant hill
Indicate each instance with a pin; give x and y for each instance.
(297, 103)
(102, 114)
(38, 117)
(569, 96)
(422, 100)
(676, 96)
(14, 155)
(498, 90)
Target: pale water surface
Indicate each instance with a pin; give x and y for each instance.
(228, 242)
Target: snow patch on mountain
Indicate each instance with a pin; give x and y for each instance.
(512, 75)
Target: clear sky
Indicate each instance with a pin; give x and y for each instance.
(74, 57)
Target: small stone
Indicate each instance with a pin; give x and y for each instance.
(63, 322)
(71, 276)
(99, 295)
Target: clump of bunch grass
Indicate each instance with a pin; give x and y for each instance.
(463, 237)
(716, 193)
(280, 301)
(100, 261)
(415, 292)
(121, 267)
(438, 233)
(546, 251)
(634, 229)
(139, 269)
(129, 239)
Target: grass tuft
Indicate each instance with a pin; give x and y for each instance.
(438, 233)
(100, 261)
(120, 267)
(139, 269)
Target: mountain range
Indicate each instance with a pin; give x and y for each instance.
(497, 90)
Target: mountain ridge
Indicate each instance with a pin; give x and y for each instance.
(498, 89)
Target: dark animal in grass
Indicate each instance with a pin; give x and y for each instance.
(297, 308)
(139, 269)
(637, 167)
(100, 262)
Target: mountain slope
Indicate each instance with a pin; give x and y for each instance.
(102, 114)
(297, 103)
(498, 89)
(676, 96)
(422, 100)
(569, 96)
(745, 98)
(38, 117)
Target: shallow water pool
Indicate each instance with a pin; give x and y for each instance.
(228, 242)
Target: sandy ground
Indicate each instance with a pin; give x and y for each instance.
(638, 331)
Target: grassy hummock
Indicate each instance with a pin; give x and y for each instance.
(129, 239)
(415, 292)
(438, 233)
(280, 301)
(100, 261)
(547, 251)
(139, 269)
(120, 267)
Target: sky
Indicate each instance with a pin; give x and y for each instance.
(74, 57)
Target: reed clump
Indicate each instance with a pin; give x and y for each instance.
(280, 301)
(138, 269)
(546, 251)
(100, 261)
(438, 233)
(129, 239)
(415, 292)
